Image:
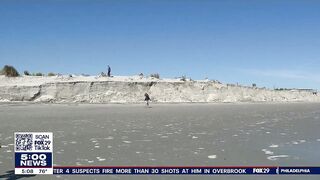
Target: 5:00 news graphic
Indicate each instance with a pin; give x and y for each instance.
(34, 155)
(33, 152)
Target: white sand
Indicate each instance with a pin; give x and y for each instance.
(131, 89)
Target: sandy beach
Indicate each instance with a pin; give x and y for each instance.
(176, 134)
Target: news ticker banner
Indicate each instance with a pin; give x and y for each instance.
(34, 155)
(183, 170)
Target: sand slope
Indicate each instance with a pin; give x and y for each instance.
(131, 89)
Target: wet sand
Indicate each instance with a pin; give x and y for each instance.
(169, 135)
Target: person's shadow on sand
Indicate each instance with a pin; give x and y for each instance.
(11, 176)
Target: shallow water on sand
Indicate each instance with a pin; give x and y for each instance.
(168, 135)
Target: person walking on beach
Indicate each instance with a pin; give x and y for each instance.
(147, 98)
(109, 71)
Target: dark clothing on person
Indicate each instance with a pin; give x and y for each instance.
(109, 71)
(147, 98)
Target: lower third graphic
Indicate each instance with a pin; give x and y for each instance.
(33, 152)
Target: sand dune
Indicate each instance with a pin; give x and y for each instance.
(131, 89)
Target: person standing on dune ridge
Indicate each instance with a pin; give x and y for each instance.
(109, 71)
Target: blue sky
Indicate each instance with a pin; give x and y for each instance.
(273, 43)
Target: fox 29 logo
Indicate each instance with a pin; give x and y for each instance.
(33, 160)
